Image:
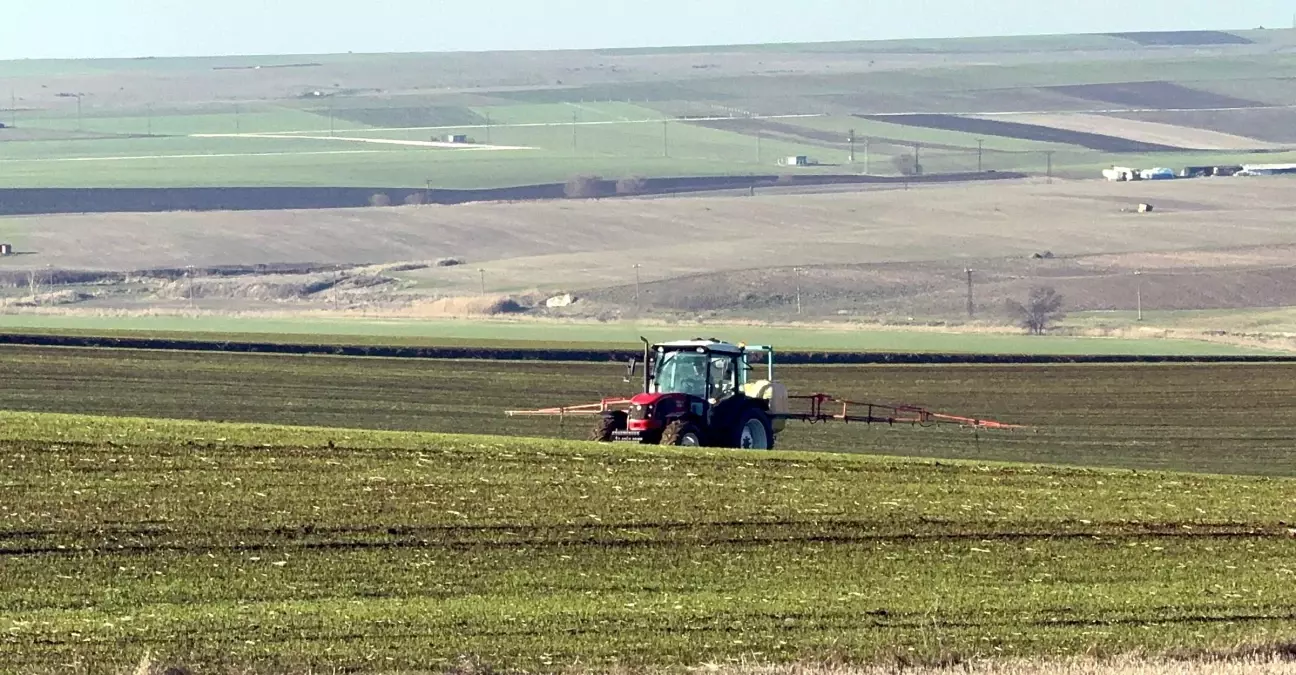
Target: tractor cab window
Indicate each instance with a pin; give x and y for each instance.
(682, 373)
(724, 377)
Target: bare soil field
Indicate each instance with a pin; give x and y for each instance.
(938, 289)
(1028, 132)
(1273, 125)
(47, 201)
(1152, 95)
(1145, 131)
(870, 225)
(893, 253)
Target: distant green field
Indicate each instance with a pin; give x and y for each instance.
(556, 151)
(258, 120)
(1276, 320)
(620, 128)
(486, 333)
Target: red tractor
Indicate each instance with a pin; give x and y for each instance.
(701, 392)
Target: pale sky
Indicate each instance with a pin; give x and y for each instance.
(128, 28)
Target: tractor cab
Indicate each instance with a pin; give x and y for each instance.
(713, 372)
(692, 389)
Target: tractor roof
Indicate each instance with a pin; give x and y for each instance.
(708, 344)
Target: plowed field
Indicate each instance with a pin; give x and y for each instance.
(1028, 132)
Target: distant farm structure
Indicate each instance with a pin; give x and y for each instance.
(1120, 174)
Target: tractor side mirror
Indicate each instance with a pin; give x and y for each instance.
(630, 369)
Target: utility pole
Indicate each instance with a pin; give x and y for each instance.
(13, 108)
(866, 156)
(575, 119)
(917, 159)
(636, 269)
(238, 121)
(980, 153)
(1049, 154)
(1138, 283)
(971, 308)
(851, 139)
(482, 273)
(331, 123)
(488, 127)
(665, 138)
(797, 271)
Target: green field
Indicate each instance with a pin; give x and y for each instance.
(484, 333)
(1274, 320)
(1177, 417)
(260, 548)
(256, 548)
(142, 138)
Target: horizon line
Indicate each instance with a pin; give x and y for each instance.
(698, 46)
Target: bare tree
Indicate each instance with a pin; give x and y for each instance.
(632, 186)
(906, 166)
(584, 187)
(1042, 309)
(380, 200)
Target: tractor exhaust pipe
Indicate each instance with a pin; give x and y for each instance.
(647, 383)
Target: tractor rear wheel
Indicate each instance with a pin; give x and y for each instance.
(753, 431)
(608, 423)
(682, 433)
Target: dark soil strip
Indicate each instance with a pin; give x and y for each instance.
(1184, 38)
(1154, 95)
(1028, 132)
(595, 355)
(35, 201)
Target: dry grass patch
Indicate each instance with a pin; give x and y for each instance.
(467, 306)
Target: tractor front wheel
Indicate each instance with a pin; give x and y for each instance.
(682, 433)
(610, 422)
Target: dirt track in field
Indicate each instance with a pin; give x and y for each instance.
(376, 141)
